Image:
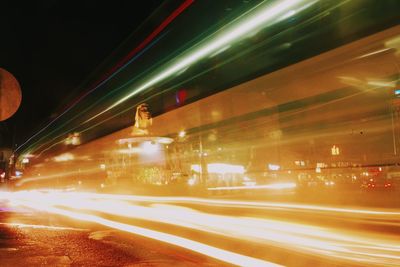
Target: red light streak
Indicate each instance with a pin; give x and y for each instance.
(148, 39)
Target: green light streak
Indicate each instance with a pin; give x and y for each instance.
(258, 18)
(244, 26)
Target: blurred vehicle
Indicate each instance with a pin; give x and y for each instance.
(379, 183)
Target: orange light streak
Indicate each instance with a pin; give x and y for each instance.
(324, 242)
(217, 253)
(35, 226)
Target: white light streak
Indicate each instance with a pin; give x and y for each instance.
(247, 187)
(350, 246)
(214, 252)
(47, 227)
(257, 19)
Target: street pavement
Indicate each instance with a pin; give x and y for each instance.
(55, 228)
(30, 238)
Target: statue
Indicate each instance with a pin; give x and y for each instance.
(143, 120)
(142, 155)
(141, 129)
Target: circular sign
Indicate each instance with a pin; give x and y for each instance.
(10, 95)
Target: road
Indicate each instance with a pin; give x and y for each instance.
(92, 229)
(49, 241)
(31, 238)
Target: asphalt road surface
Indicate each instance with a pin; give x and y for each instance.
(29, 238)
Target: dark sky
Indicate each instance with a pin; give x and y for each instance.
(51, 46)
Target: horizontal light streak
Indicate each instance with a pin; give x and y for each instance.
(35, 226)
(242, 204)
(249, 187)
(325, 242)
(214, 252)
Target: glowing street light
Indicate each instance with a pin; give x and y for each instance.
(182, 134)
(335, 151)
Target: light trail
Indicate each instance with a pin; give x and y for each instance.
(249, 187)
(253, 21)
(242, 204)
(323, 242)
(128, 59)
(246, 25)
(214, 252)
(182, 7)
(35, 226)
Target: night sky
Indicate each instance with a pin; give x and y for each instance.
(52, 46)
